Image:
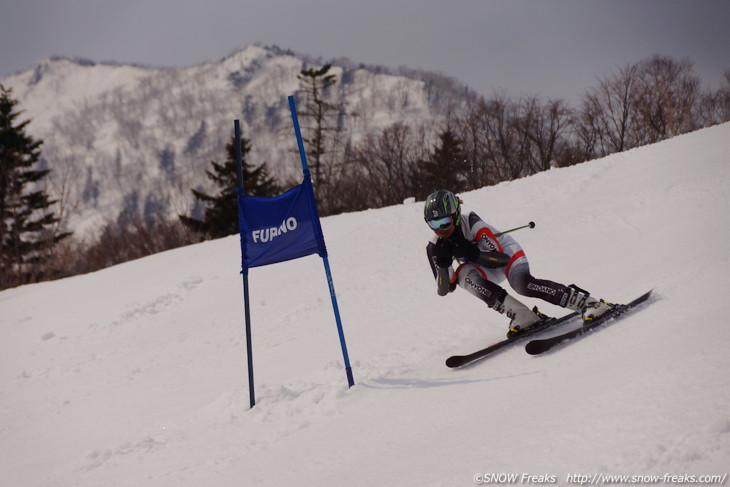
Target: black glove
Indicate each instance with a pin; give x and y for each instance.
(443, 253)
(464, 249)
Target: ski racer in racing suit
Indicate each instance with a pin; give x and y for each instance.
(486, 258)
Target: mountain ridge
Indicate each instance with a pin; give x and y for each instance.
(127, 138)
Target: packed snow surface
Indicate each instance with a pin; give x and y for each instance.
(136, 375)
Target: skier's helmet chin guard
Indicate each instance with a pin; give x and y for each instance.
(439, 206)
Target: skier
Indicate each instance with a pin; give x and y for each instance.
(486, 259)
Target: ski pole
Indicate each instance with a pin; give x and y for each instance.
(531, 225)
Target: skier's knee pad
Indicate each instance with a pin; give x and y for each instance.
(487, 291)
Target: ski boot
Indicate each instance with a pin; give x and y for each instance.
(595, 308)
(522, 317)
(590, 307)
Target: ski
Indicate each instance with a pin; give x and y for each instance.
(536, 347)
(461, 360)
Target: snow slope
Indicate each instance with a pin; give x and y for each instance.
(136, 375)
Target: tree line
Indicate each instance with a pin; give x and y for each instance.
(497, 139)
(480, 143)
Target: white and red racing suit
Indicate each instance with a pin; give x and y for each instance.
(483, 282)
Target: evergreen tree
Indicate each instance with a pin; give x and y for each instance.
(320, 116)
(221, 211)
(28, 228)
(445, 168)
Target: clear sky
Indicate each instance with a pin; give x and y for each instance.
(553, 48)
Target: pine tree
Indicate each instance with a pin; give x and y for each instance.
(221, 210)
(445, 168)
(28, 228)
(321, 116)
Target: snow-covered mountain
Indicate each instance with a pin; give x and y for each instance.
(136, 375)
(122, 137)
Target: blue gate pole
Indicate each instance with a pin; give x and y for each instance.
(341, 333)
(246, 302)
(330, 283)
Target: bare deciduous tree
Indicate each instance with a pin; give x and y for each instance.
(606, 121)
(387, 163)
(714, 107)
(491, 141)
(665, 97)
(543, 128)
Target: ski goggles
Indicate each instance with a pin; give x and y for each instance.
(440, 223)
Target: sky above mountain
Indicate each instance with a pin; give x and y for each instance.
(554, 49)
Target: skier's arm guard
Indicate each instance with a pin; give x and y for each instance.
(441, 267)
(493, 260)
(443, 281)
